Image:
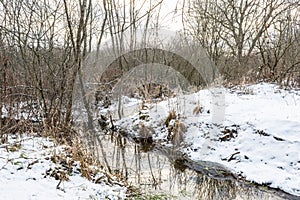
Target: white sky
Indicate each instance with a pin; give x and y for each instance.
(171, 14)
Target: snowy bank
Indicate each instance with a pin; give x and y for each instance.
(28, 171)
(257, 134)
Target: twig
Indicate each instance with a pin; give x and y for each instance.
(232, 156)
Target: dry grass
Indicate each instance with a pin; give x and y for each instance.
(176, 128)
(198, 109)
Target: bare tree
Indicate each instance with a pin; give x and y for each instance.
(232, 29)
(205, 29)
(30, 31)
(279, 50)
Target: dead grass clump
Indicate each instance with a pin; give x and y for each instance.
(88, 164)
(176, 128)
(75, 159)
(171, 116)
(178, 132)
(198, 109)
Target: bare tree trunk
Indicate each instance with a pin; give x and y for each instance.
(76, 45)
(1, 84)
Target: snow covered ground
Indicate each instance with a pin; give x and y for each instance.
(27, 171)
(253, 130)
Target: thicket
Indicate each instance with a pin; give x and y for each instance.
(44, 46)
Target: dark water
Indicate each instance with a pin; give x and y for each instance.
(161, 170)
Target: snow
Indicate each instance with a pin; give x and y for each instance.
(253, 130)
(24, 163)
(263, 120)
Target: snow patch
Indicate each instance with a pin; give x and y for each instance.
(262, 123)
